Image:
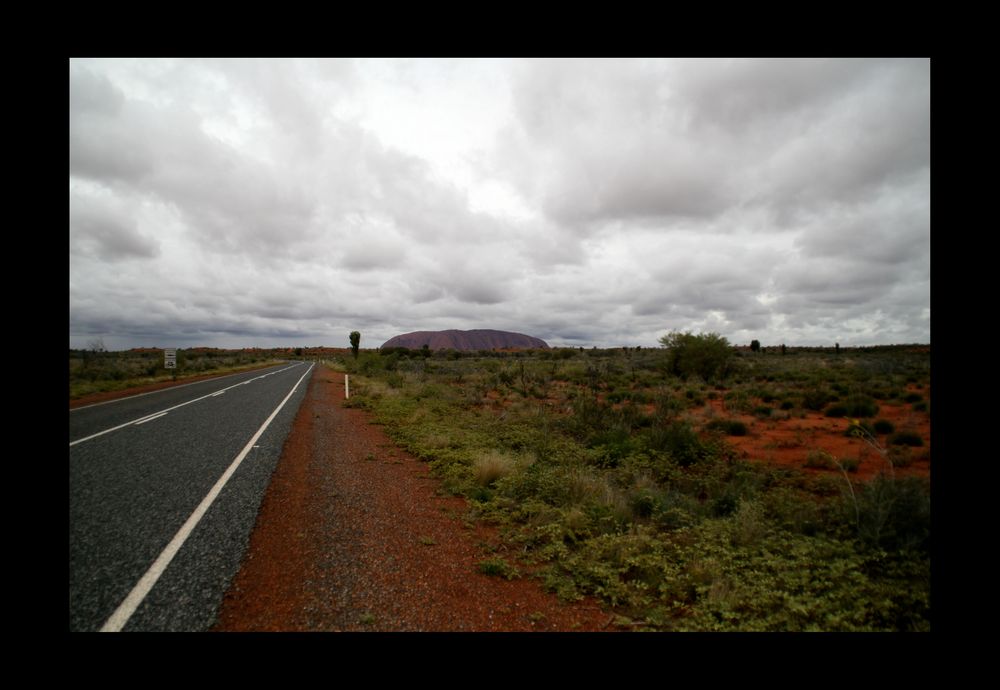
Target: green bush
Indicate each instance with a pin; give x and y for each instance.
(861, 406)
(815, 399)
(498, 567)
(706, 355)
(906, 438)
(731, 427)
(884, 426)
(679, 441)
(894, 514)
(819, 459)
(836, 410)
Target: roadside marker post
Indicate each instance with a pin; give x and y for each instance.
(347, 387)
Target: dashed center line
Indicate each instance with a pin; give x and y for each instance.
(152, 416)
(149, 419)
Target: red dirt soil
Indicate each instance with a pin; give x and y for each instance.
(352, 535)
(788, 442)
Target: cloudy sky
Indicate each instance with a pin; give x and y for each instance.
(241, 203)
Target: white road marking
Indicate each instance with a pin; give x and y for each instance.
(149, 419)
(146, 417)
(161, 390)
(125, 610)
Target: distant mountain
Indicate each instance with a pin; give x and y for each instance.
(480, 339)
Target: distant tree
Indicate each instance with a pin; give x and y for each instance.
(298, 352)
(783, 348)
(96, 345)
(755, 346)
(355, 343)
(706, 355)
(836, 348)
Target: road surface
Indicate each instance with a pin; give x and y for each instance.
(164, 491)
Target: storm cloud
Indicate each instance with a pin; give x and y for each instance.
(277, 202)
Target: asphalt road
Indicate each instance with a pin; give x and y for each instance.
(136, 480)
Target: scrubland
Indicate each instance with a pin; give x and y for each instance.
(776, 492)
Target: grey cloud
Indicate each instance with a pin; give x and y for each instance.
(106, 232)
(91, 93)
(252, 200)
(735, 94)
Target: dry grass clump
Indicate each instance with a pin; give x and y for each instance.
(491, 466)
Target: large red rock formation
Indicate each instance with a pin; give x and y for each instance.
(479, 339)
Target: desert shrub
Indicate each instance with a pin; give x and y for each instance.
(739, 400)
(913, 397)
(589, 416)
(679, 441)
(883, 426)
(861, 406)
(819, 459)
(668, 406)
(766, 395)
(850, 464)
(892, 513)
(836, 410)
(815, 399)
(731, 427)
(706, 355)
(787, 405)
(498, 567)
(906, 438)
(793, 510)
(920, 406)
(762, 411)
(900, 456)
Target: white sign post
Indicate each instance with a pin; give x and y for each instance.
(170, 358)
(347, 387)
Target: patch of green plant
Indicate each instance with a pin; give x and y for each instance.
(836, 410)
(815, 399)
(899, 456)
(883, 426)
(849, 464)
(906, 438)
(498, 567)
(819, 459)
(739, 400)
(731, 427)
(679, 441)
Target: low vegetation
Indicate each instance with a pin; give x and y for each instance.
(604, 477)
(93, 371)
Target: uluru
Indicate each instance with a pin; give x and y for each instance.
(478, 339)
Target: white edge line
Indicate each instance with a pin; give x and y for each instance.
(162, 390)
(153, 414)
(125, 610)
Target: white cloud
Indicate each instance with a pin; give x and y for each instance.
(598, 202)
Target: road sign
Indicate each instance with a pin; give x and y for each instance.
(170, 358)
